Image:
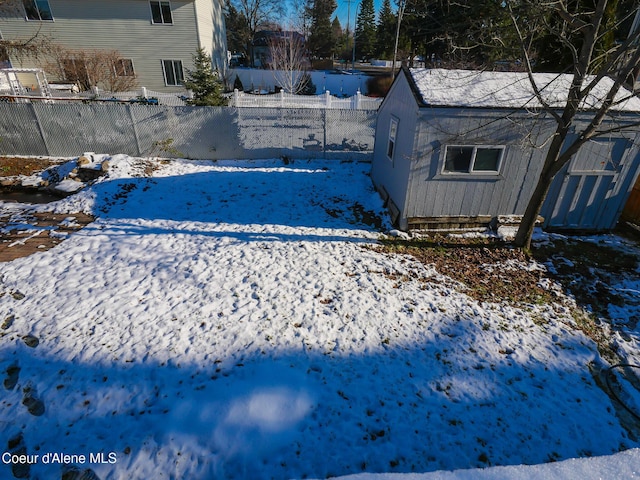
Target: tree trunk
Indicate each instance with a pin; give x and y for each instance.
(528, 223)
(553, 162)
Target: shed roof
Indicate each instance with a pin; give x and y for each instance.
(480, 89)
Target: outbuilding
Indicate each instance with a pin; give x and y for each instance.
(459, 149)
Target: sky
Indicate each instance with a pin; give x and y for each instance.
(342, 12)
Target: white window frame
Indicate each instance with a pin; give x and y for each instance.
(37, 7)
(163, 22)
(392, 140)
(471, 170)
(179, 82)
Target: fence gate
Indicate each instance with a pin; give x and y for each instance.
(591, 190)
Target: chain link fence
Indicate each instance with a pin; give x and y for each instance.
(68, 129)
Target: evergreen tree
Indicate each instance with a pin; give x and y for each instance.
(205, 84)
(237, 84)
(385, 31)
(339, 37)
(321, 41)
(365, 34)
(305, 85)
(238, 34)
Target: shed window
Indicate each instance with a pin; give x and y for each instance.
(173, 75)
(393, 131)
(161, 12)
(37, 9)
(470, 159)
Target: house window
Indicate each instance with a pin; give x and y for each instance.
(5, 62)
(75, 71)
(161, 12)
(37, 9)
(173, 75)
(470, 159)
(393, 131)
(123, 67)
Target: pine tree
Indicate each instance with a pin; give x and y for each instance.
(205, 84)
(237, 84)
(365, 35)
(339, 38)
(385, 31)
(321, 42)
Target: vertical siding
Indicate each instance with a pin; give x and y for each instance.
(433, 194)
(394, 176)
(123, 25)
(591, 191)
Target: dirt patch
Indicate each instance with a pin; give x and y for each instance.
(14, 166)
(24, 233)
(491, 271)
(591, 272)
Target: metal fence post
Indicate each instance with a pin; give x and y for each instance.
(40, 129)
(135, 128)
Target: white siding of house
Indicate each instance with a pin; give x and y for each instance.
(210, 17)
(123, 25)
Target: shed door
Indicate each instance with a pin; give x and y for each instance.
(588, 194)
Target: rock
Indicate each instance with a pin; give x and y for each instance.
(17, 295)
(30, 399)
(13, 374)
(9, 182)
(16, 446)
(8, 321)
(31, 341)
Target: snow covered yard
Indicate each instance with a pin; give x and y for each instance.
(228, 320)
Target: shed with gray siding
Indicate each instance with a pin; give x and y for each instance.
(462, 149)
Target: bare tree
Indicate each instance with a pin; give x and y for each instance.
(289, 60)
(32, 46)
(89, 68)
(254, 14)
(579, 31)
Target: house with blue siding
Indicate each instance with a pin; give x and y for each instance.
(458, 149)
(156, 40)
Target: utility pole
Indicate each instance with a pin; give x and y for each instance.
(401, 6)
(353, 57)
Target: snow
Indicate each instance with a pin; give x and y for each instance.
(230, 320)
(466, 88)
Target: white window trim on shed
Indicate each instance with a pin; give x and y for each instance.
(471, 169)
(394, 122)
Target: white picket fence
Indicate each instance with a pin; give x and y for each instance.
(236, 99)
(326, 100)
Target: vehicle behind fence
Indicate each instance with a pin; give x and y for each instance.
(68, 129)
